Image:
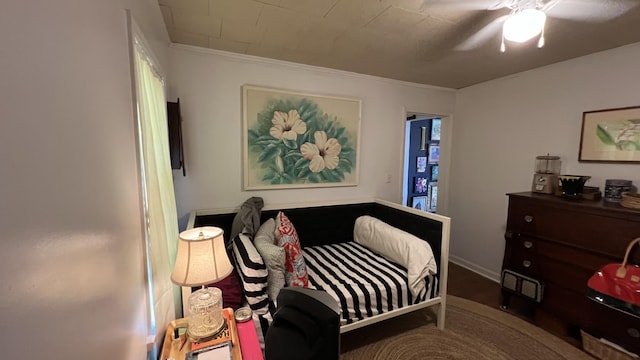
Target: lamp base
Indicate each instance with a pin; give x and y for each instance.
(205, 314)
(199, 338)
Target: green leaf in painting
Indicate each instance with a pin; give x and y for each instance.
(288, 179)
(252, 135)
(345, 165)
(331, 131)
(291, 144)
(269, 152)
(304, 172)
(330, 176)
(262, 141)
(604, 136)
(294, 154)
(302, 162)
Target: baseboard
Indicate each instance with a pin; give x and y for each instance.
(491, 275)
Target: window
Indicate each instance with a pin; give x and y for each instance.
(156, 184)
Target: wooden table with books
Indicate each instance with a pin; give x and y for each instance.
(176, 348)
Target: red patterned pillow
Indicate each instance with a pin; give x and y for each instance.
(295, 267)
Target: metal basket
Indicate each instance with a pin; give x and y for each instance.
(630, 200)
(601, 350)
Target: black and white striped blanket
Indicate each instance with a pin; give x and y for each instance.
(364, 284)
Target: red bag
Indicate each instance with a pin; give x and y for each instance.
(618, 285)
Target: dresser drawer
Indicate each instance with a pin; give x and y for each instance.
(563, 274)
(597, 232)
(587, 260)
(525, 264)
(573, 307)
(549, 262)
(521, 255)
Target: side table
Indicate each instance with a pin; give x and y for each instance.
(177, 348)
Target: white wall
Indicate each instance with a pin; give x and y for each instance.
(502, 125)
(71, 269)
(208, 84)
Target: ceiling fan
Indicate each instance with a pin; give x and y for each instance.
(526, 21)
(527, 18)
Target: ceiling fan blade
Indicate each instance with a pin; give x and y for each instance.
(482, 36)
(502, 4)
(549, 5)
(589, 10)
(459, 4)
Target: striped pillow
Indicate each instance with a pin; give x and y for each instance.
(253, 273)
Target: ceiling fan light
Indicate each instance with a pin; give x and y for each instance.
(524, 25)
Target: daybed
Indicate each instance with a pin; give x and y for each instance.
(332, 224)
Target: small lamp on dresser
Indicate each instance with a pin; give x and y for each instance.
(202, 259)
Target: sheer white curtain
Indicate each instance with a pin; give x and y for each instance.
(157, 185)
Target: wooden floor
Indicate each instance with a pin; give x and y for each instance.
(472, 286)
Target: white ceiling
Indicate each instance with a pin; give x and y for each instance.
(423, 41)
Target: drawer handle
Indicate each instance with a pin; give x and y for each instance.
(528, 218)
(633, 332)
(528, 244)
(526, 263)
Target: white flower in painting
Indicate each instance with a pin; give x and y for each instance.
(287, 125)
(323, 154)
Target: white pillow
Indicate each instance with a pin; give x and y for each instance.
(399, 246)
(274, 257)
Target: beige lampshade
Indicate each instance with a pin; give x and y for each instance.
(202, 258)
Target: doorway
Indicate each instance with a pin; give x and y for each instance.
(423, 185)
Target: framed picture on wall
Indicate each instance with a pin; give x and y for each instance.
(421, 185)
(611, 135)
(434, 154)
(433, 196)
(419, 202)
(435, 129)
(434, 173)
(421, 164)
(298, 140)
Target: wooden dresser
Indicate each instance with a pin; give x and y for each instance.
(561, 243)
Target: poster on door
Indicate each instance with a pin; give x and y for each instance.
(421, 164)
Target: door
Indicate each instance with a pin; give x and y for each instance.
(423, 156)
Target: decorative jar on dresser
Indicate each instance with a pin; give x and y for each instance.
(559, 244)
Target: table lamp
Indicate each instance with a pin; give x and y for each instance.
(202, 259)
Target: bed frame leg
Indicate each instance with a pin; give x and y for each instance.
(441, 312)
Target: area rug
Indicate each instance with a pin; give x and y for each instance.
(472, 331)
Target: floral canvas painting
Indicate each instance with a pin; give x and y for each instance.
(299, 140)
